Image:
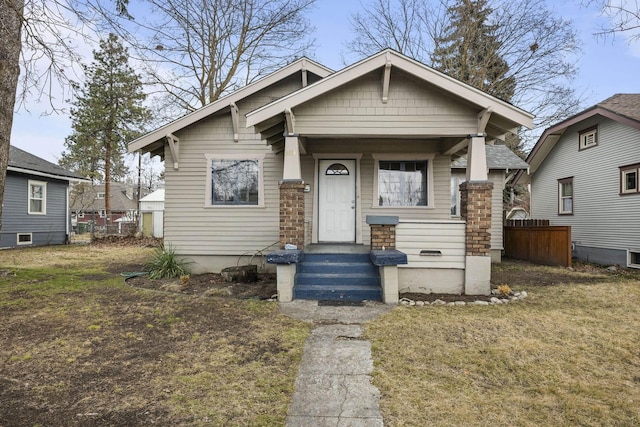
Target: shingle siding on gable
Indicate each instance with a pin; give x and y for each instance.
(412, 107)
(601, 217)
(45, 229)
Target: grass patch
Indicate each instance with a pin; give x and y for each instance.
(567, 355)
(82, 348)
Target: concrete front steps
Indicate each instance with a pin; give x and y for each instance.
(342, 277)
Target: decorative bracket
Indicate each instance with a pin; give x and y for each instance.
(483, 119)
(174, 147)
(291, 121)
(304, 73)
(385, 80)
(235, 120)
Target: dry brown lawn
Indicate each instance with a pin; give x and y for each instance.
(80, 347)
(569, 355)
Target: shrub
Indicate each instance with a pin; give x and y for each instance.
(165, 264)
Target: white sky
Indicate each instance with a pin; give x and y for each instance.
(607, 67)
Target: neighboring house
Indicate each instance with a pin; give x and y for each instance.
(584, 173)
(88, 205)
(502, 164)
(36, 201)
(152, 214)
(360, 157)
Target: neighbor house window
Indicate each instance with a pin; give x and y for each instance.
(80, 214)
(588, 138)
(402, 181)
(37, 197)
(629, 179)
(565, 196)
(103, 213)
(234, 182)
(455, 195)
(100, 196)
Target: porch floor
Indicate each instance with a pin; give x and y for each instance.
(336, 248)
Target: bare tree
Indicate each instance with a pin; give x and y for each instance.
(36, 53)
(539, 48)
(623, 17)
(197, 50)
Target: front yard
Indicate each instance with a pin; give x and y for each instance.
(78, 346)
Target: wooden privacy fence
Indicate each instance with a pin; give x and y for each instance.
(538, 242)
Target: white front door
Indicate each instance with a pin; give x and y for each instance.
(337, 201)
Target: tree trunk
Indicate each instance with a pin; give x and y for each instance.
(11, 12)
(107, 185)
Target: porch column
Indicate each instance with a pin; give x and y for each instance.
(475, 201)
(291, 195)
(292, 170)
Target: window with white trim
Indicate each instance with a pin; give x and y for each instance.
(630, 179)
(234, 181)
(565, 196)
(403, 180)
(100, 196)
(37, 197)
(588, 138)
(24, 238)
(102, 213)
(455, 195)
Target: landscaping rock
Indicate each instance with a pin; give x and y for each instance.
(241, 273)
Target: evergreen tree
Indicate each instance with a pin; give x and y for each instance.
(469, 49)
(106, 113)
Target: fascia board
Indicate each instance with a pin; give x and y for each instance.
(47, 175)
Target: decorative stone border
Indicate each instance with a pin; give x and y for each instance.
(515, 296)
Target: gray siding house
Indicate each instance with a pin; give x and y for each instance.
(358, 159)
(36, 201)
(584, 172)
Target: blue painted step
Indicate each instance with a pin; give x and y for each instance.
(349, 277)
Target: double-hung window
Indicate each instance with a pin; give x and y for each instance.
(37, 197)
(565, 196)
(403, 181)
(234, 181)
(630, 179)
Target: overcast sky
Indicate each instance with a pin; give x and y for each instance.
(607, 67)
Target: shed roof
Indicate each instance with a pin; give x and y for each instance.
(499, 157)
(156, 196)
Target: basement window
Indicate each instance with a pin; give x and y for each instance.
(633, 258)
(24, 239)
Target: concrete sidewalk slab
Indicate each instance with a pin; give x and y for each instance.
(333, 387)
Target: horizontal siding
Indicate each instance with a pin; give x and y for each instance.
(195, 229)
(497, 177)
(47, 229)
(413, 108)
(445, 236)
(602, 218)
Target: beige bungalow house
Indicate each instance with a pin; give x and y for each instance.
(343, 177)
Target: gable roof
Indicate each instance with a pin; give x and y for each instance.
(85, 198)
(24, 162)
(622, 107)
(499, 157)
(302, 64)
(511, 115)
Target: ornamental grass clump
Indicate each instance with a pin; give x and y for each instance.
(165, 264)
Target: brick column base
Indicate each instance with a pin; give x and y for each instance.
(475, 209)
(292, 213)
(383, 235)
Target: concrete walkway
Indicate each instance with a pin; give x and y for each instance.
(333, 387)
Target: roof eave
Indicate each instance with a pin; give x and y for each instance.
(212, 108)
(46, 175)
